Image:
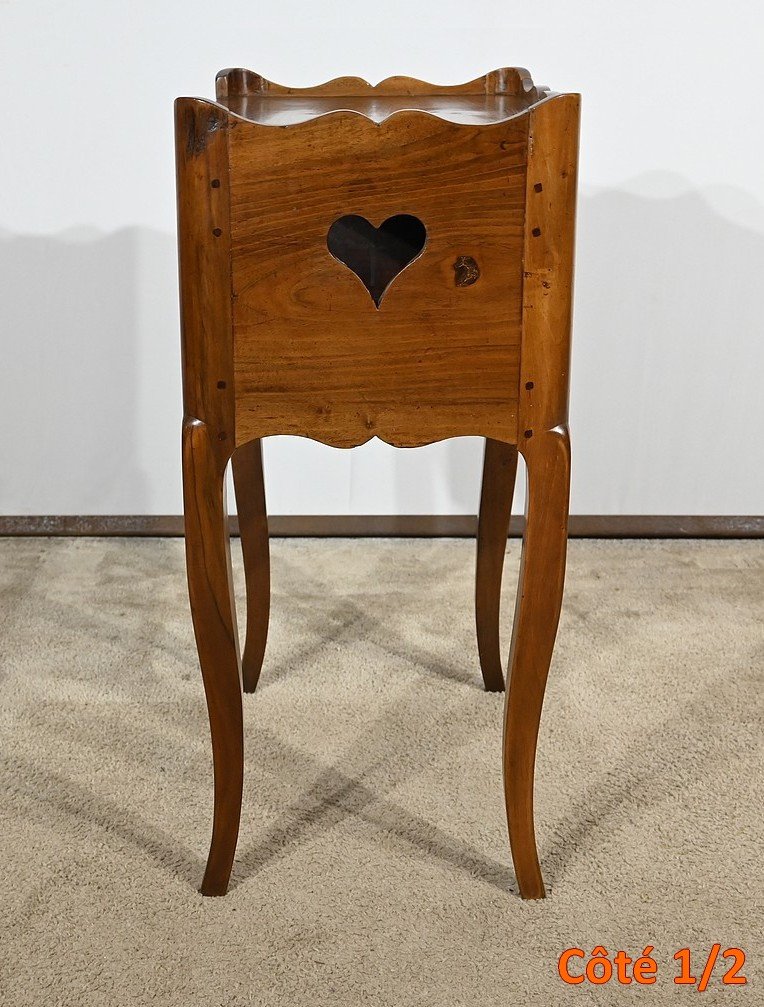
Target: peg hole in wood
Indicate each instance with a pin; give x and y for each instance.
(529, 385)
(528, 434)
(538, 187)
(215, 183)
(536, 232)
(221, 384)
(376, 254)
(217, 231)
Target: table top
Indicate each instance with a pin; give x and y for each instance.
(495, 97)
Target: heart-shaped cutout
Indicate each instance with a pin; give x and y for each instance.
(376, 254)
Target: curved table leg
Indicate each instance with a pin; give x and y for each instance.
(208, 564)
(248, 481)
(539, 597)
(499, 471)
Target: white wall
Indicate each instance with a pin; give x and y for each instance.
(668, 350)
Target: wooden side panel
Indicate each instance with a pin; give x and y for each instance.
(313, 354)
(548, 276)
(204, 249)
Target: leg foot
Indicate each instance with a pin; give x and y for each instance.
(539, 597)
(247, 464)
(208, 563)
(499, 471)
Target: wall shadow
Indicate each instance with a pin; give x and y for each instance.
(79, 309)
(668, 349)
(665, 400)
(667, 353)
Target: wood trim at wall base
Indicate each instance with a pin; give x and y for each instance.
(385, 525)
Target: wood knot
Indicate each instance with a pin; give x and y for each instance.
(466, 271)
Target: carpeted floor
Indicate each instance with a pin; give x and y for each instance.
(373, 865)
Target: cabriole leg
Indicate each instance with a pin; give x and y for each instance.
(247, 464)
(539, 597)
(210, 586)
(499, 471)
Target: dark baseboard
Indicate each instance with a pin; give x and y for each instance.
(404, 525)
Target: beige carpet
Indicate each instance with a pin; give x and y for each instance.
(373, 865)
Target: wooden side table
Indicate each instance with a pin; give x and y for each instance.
(395, 262)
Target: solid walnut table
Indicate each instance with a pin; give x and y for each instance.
(395, 262)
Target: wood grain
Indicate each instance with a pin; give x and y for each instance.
(537, 613)
(236, 81)
(210, 588)
(472, 337)
(545, 444)
(313, 356)
(498, 487)
(204, 254)
(248, 481)
(208, 440)
(548, 264)
(466, 109)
